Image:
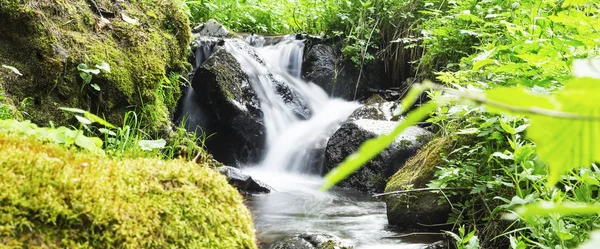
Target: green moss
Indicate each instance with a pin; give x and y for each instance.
(47, 40)
(51, 197)
(419, 169)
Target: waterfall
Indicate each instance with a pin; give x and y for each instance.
(292, 133)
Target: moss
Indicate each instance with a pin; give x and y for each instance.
(419, 169)
(47, 40)
(51, 197)
(419, 209)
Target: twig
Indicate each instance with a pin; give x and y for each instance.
(417, 190)
(413, 234)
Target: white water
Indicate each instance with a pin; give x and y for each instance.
(289, 138)
(298, 206)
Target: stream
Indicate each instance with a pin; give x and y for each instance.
(299, 117)
(299, 207)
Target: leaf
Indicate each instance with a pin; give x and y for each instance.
(91, 71)
(129, 20)
(152, 144)
(99, 120)
(74, 110)
(503, 156)
(13, 69)
(575, 2)
(96, 87)
(373, 147)
(83, 120)
(567, 208)
(509, 129)
(103, 66)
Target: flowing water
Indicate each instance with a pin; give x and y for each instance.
(294, 132)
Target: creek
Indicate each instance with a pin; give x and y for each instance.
(299, 117)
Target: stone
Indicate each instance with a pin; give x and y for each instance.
(211, 28)
(421, 210)
(325, 66)
(226, 105)
(377, 108)
(243, 182)
(373, 176)
(232, 107)
(311, 241)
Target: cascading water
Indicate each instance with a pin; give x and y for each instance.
(299, 117)
(289, 137)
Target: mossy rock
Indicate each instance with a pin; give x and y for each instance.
(52, 197)
(141, 41)
(422, 210)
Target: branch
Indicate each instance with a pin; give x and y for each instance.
(417, 190)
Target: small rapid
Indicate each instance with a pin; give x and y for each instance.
(299, 117)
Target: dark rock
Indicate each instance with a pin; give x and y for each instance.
(210, 28)
(224, 90)
(244, 183)
(324, 65)
(376, 108)
(373, 175)
(311, 241)
(229, 106)
(422, 210)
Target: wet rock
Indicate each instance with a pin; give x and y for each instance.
(243, 182)
(311, 241)
(372, 176)
(235, 116)
(422, 210)
(324, 65)
(210, 28)
(438, 245)
(376, 108)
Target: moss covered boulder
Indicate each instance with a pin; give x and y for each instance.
(424, 210)
(142, 42)
(51, 197)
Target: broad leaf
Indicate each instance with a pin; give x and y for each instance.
(152, 144)
(547, 208)
(103, 66)
(13, 69)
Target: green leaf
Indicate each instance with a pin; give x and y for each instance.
(96, 87)
(509, 129)
(73, 110)
(99, 120)
(575, 2)
(547, 208)
(83, 120)
(373, 147)
(103, 66)
(13, 69)
(152, 144)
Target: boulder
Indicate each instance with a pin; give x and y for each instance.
(377, 108)
(325, 66)
(373, 175)
(211, 28)
(224, 103)
(232, 107)
(243, 182)
(311, 241)
(422, 210)
(48, 40)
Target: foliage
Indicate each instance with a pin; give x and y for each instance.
(51, 197)
(86, 74)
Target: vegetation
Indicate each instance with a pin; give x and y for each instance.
(54, 197)
(507, 84)
(52, 44)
